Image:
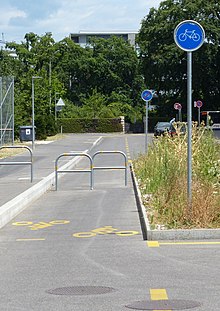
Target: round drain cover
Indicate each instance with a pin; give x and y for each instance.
(175, 304)
(81, 290)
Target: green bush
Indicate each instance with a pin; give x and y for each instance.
(77, 125)
(51, 127)
(162, 177)
(40, 123)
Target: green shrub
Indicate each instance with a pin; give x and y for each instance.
(51, 127)
(40, 123)
(162, 177)
(77, 125)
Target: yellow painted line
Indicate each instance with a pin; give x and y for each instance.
(21, 240)
(158, 244)
(158, 294)
(127, 150)
(189, 243)
(153, 244)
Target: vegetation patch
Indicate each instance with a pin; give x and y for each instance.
(78, 125)
(162, 178)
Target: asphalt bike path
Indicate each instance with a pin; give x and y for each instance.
(80, 249)
(16, 179)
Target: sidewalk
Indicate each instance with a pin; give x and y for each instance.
(16, 189)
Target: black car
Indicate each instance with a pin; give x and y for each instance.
(161, 128)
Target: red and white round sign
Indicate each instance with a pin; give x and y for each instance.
(177, 106)
(199, 103)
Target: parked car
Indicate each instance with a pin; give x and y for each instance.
(161, 128)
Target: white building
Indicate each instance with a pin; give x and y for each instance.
(82, 38)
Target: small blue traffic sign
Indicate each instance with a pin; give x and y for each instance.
(146, 95)
(189, 35)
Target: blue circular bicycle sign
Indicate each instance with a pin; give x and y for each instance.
(189, 35)
(147, 95)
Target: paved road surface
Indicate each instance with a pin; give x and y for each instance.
(82, 250)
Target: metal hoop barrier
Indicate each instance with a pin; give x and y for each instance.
(125, 167)
(21, 162)
(79, 154)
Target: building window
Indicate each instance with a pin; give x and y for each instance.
(75, 39)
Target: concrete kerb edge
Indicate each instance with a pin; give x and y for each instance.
(179, 234)
(15, 206)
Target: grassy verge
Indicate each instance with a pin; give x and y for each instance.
(9, 152)
(55, 137)
(162, 178)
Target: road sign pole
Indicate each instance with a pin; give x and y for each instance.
(180, 115)
(146, 95)
(189, 36)
(199, 121)
(189, 124)
(146, 128)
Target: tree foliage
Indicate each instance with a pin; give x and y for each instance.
(89, 80)
(164, 64)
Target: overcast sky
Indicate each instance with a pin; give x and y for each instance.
(61, 17)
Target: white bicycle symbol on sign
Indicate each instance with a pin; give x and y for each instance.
(191, 34)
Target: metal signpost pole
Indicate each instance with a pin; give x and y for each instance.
(199, 104)
(146, 95)
(146, 128)
(189, 36)
(199, 121)
(33, 113)
(180, 115)
(189, 126)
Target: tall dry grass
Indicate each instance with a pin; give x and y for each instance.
(162, 177)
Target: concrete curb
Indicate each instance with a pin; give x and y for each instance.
(180, 234)
(15, 206)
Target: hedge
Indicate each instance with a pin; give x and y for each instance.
(77, 125)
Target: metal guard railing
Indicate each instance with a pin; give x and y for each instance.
(91, 168)
(20, 162)
(77, 154)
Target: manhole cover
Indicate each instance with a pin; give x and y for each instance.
(175, 304)
(81, 290)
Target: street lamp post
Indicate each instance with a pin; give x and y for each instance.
(56, 93)
(33, 114)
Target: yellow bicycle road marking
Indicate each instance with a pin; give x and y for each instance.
(41, 224)
(104, 231)
(126, 233)
(84, 234)
(22, 223)
(158, 244)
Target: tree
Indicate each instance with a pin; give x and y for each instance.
(33, 58)
(88, 79)
(164, 64)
